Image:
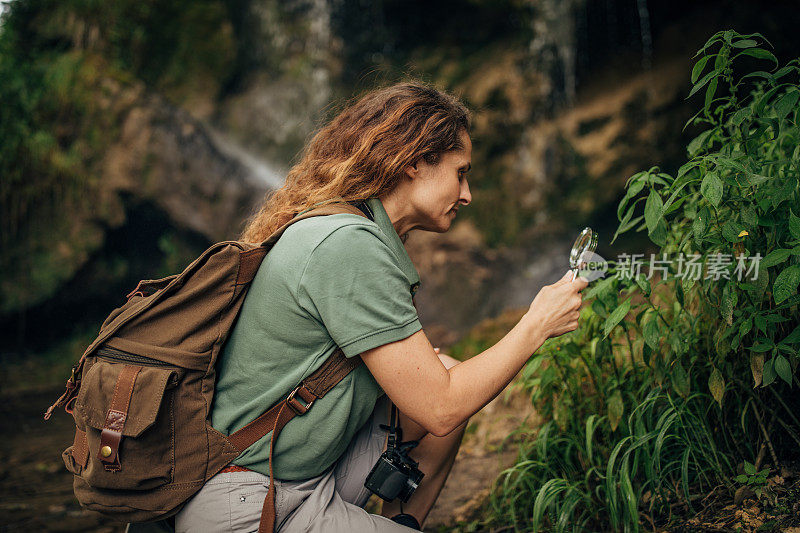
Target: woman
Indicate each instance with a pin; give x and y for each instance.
(346, 281)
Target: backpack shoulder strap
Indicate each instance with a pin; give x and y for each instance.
(299, 401)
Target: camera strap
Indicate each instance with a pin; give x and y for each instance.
(395, 441)
(395, 431)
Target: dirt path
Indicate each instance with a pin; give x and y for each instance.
(488, 448)
(35, 488)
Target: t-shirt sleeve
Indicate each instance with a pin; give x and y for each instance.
(353, 284)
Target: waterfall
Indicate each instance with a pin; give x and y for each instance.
(261, 172)
(647, 38)
(553, 47)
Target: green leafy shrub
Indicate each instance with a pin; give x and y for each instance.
(71, 70)
(670, 381)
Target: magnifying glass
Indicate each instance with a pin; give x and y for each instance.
(585, 244)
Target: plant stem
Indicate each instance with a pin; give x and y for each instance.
(766, 438)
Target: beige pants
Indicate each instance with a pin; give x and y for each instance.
(331, 502)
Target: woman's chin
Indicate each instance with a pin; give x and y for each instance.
(445, 224)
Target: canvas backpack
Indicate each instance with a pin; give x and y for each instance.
(142, 391)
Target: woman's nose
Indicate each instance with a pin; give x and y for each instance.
(465, 197)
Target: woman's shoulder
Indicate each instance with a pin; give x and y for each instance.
(346, 232)
(341, 228)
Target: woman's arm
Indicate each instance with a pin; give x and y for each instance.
(411, 374)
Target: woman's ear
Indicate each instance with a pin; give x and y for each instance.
(412, 171)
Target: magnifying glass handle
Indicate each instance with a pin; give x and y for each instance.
(574, 274)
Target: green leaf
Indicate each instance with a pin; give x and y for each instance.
(761, 282)
(710, 91)
(749, 215)
(783, 193)
(740, 115)
(699, 224)
(680, 380)
(714, 38)
(633, 190)
(793, 337)
(711, 188)
(616, 317)
(643, 283)
(749, 469)
(716, 384)
(757, 368)
(679, 294)
(731, 230)
(741, 478)
(794, 225)
(755, 180)
(745, 43)
(775, 257)
(615, 409)
(762, 102)
(745, 326)
(659, 234)
(699, 66)
(653, 210)
(722, 344)
(687, 167)
(761, 325)
(729, 299)
(769, 373)
(602, 287)
(749, 35)
(758, 53)
(625, 226)
(698, 142)
(651, 332)
(785, 284)
(784, 71)
(730, 163)
(760, 346)
(783, 368)
(531, 368)
(702, 83)
(786, 104)
(758, 74)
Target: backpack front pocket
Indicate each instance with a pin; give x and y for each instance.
(124, 415)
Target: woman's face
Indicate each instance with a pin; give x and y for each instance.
(437, 191)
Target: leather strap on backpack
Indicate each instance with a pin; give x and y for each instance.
(299, 401)
(111, 435)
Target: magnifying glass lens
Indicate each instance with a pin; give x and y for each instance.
(585, 243)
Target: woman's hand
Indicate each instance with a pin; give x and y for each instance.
(556, 308)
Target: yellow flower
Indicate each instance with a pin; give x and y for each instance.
(743, 233)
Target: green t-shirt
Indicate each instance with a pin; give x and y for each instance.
(330, 280)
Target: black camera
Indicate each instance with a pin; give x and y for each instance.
(395, 474)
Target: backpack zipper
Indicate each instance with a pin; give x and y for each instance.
(118, 355)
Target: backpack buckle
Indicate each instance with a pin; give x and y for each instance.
(295, 405)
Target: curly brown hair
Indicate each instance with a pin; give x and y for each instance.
(362, 153)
